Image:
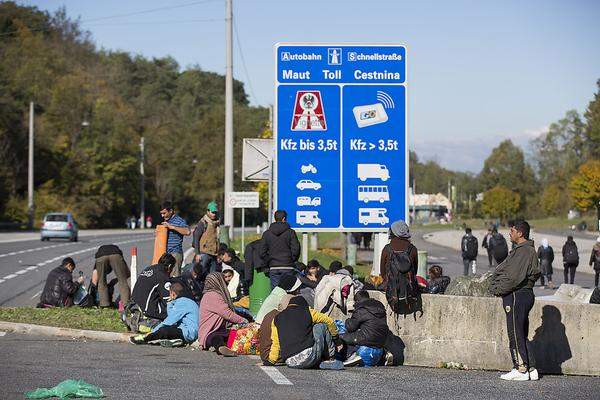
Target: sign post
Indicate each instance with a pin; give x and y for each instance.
(243, 200)
(340, 136)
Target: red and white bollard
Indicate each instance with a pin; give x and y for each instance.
(133, 267)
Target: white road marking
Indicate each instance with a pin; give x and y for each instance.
(36, 295)
(275, 375)
(2, 333)
(14, 253)
(52, 260)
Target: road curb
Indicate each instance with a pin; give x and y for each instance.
(31, 329)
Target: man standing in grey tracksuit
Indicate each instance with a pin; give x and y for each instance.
(513, 280)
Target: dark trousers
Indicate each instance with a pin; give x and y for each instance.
(276, 274)
(569, 272)
(106, 264)
(217, 338)
(596, 278)
(517, 306)
(490, 258)
(165, 332)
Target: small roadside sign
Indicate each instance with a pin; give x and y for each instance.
(243, 199)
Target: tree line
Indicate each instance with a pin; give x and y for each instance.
(561, 171)
(92, 106)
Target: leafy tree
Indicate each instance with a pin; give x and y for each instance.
(506, 167)
(592, 132)
(553, 200)
(500, 202)
(585, 187)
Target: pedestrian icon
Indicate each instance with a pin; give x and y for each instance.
(334, 56)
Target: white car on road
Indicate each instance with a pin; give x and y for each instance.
(308, 184)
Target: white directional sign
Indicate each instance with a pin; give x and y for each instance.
(243, 199)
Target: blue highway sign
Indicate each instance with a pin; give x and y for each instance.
(340, 132)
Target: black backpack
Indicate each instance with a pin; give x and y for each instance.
(471, 248)
(500, 248)
(401, 292)
(571, 255)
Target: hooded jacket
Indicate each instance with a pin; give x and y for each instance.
(570, 246)
(335, 291)
(59, 288)
(182, 313)
(595, 257)
(519, 270)
(150, 292)
(368, 325)
(280, 248)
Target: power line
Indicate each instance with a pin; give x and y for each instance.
(32, 29)
(239, 45)
(184, 21)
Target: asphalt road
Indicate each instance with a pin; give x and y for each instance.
(125, 371)
(24, 265)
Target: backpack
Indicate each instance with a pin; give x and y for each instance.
(571, 255)
(402, 291)
(500, 248)
(471, 248)
(394, 345)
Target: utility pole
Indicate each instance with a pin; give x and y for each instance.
(30, 209)
(142, 184)
(228, 214)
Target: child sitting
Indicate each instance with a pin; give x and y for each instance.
(180, 326)
(366, 327)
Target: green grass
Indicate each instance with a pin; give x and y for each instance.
(96, 319)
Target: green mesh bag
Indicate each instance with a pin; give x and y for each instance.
(69, 389)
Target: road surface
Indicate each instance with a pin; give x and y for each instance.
(25, 264)
(131, 372)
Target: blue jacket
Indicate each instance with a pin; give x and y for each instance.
(183, 314)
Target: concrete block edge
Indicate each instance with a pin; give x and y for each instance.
(31, 329)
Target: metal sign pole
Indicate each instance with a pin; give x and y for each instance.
(243, 228)
(304, 248)
(270, 208)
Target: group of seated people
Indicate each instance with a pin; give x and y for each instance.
(295, 322)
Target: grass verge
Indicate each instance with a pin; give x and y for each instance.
(96, 319)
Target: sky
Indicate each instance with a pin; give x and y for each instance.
(478, 71)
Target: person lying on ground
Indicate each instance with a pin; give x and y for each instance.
(217, 314)
(287, 284)
(60, 287)
(180, 326)
(367, 327)
(335, 290)
(303, 338)
(151, 290)
(438, 282)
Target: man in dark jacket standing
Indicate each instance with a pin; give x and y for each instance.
(513, 280)
(570, 259)
(60, 288)
(366, 327)
(280, 248)
(469, 247)
(399, 241)
(109, 258)
(546, 257)
(488, 247)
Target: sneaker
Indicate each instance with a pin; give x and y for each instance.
(389, 359)
(171, 343)
(515, 375)
(353, 360)
(332, 364)
(533, 375)
(137, 339)
(226, 352)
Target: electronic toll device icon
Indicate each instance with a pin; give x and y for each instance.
(370, 114)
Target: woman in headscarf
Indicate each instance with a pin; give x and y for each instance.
(595, 260)
(217, 313)
(546, 256)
